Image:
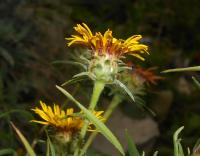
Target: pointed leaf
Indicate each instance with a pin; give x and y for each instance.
(197, 83)
(74, 80)
(196, 68)
(47, 149)
(28, 147)
(99, 125)
(197, 145)
(143, 153)
(176, 141)
(155, 153)
(119, 83)
(24, 112)
(70, 62)
(5, 54)
(7, 151)
(131, 146)
(181, 153)
(81, 74)
(51, 147)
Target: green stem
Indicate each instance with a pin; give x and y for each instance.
(97, 90)
(116, 100)
(76, 152)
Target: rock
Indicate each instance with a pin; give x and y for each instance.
(141, 131)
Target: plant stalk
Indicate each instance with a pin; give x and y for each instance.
(97, 90)
(116, 100)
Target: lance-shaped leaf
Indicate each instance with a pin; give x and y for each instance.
(197, 83)
(99, 125)
(131, 146)
(8, 151)
(74, 80)
(178, 150)
(22, 112)
(155, 153)
(120, 84)
(28, 147)
(70, 62)
(50, 147)
(196, 148)
(196, 68)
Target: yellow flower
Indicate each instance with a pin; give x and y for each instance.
(66, 121)
(106, 44)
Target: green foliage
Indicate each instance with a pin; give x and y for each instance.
(26, 144)
(131, 146)
(123, 87)
(196, 68)
(99, 125)
(178, 150)
(197, 83)
(8, 151)
(32, 35)
(50, 148)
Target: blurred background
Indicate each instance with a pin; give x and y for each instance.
(32, 36)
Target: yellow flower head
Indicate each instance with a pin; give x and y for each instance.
(66, 121)
(106, 44)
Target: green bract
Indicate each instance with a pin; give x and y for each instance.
(104, 69)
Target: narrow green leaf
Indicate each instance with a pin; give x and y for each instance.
(5, 54)
(119, 83)
(122, 68)
(196, 68)
(143, 153)
(188, 151)
(47, 149)
(24, 141)
(70, 62)
(197, 83)
(180, 148)
(51, 146)
(84, 59)
(155, 153)
(176, 141)
(26, 113)
(7, 151)
(197, 145)
(81, 74)
(131, 146)
(74, 80)
(99, 125)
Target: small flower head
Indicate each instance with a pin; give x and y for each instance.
(146, 75)
(106, 52)
(136, 80)
(66, 123)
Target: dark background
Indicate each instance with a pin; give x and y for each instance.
(32, 36)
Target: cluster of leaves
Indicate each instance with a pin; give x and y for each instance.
(178, 149)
